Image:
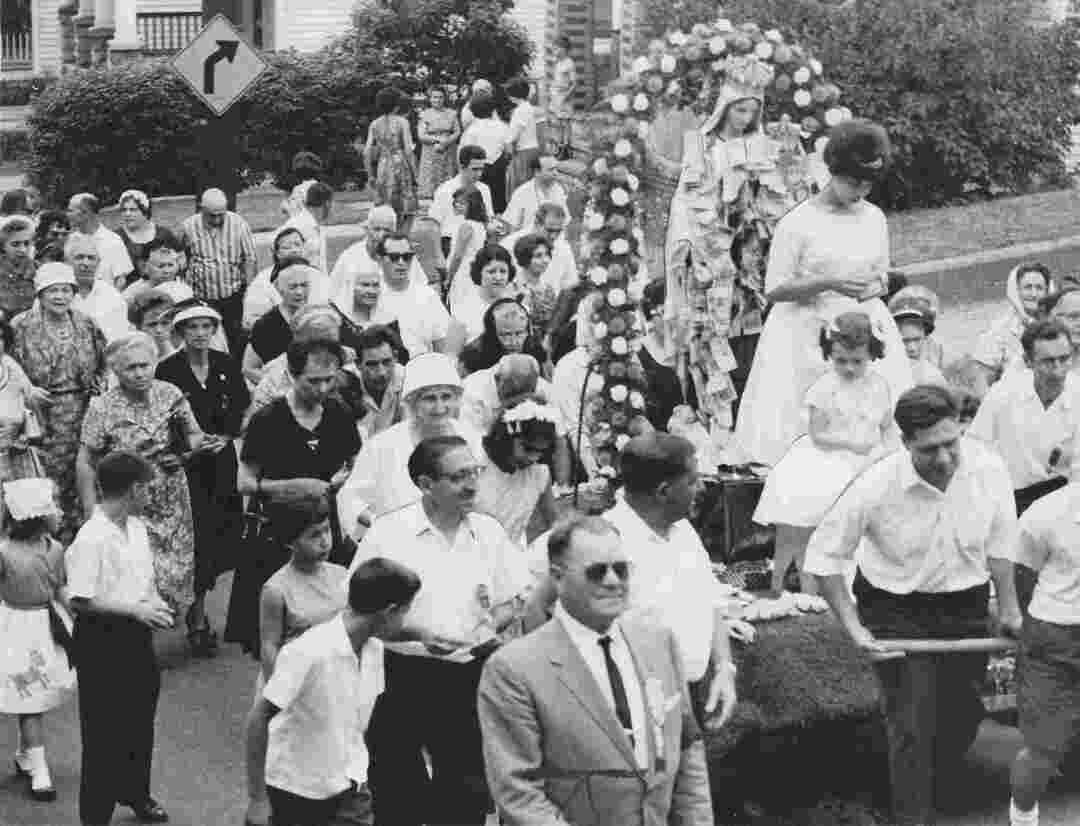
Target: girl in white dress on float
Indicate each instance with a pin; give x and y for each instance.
(848, 418)
(830, 255)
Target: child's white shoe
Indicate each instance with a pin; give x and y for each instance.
(1020, 818)
(41, 785)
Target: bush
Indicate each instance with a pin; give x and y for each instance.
(14, 145)
(140, 125)
(976, 100)
(23, 91)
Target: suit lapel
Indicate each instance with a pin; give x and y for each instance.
(574, 673)
(643, 655)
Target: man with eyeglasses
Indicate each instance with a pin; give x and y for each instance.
(933, 524)
(588, 719)
(474, 578)
(1032, 415)
(424, 322)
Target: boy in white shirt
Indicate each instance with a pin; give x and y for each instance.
(305, 735)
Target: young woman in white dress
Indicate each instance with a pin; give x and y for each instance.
(830, 255)
(848, 415)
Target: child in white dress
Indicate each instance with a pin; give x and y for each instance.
(849, 424)
(35, 673)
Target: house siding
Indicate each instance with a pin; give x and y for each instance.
(167, 6)
(47, 43)
(301, 25)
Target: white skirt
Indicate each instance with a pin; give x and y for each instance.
(35, 674)
(805, 483)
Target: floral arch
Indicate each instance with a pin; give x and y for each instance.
(684, 70)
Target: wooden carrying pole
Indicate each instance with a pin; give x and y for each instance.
(975, 645)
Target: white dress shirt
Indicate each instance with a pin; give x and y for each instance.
(106, 306)
(490, 134)
(421, 316)
(115, 261)
(1013, 420)
(523, 124)
(587, 643)
(562, 271)
(325, 695)
(1050, 545)
(379, 482)
(107, 563)
(525, 201)
(914, 536)
(672, 584)
(354, 260)
(442, 202)
(463, 578)
(314, 238)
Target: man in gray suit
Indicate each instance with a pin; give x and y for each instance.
(587, 720)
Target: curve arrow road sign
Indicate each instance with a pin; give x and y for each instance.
(219, 65)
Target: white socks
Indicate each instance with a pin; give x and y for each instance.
(40, 779)
(1019, 818)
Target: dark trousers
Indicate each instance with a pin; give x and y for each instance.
(932, 702)
(119, 684)
(232, 321)
(428, 704)
(350, 808)
(495, 177)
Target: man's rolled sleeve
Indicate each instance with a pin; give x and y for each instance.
(82, 563)
(832, 546)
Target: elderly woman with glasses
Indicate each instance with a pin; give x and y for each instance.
(153, 419)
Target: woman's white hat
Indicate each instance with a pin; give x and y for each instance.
(30, 498)
(52, 273)
(430, 370)
(196, 311)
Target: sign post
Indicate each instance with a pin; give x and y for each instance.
(219, 66)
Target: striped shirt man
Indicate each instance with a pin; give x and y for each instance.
(221, 258)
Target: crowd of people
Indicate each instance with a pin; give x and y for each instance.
(387, 440)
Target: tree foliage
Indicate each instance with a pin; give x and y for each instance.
(448, 42)
(976, 97)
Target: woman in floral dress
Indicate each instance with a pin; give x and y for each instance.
(154, 419)
(63, 354)
(391, 159)
(438, 131)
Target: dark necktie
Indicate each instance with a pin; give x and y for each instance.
(618, 690)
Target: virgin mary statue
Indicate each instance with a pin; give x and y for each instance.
(737, 180)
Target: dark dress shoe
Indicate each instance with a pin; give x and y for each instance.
(149, 811)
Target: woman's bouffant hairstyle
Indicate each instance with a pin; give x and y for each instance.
(858, 149)
(499, 441)
(489, 253)
(852, 330)
(526, 246)
(387, 100)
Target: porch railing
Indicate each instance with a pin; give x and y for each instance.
(16, 51)
(165, 33)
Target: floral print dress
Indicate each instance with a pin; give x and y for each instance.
(154, 428)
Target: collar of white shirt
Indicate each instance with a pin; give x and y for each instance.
(910, 478)
(424, 525)
(585, 638)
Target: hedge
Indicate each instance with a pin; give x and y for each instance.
(140, 125)
(22, 91)
(14, 145)
(977, 101)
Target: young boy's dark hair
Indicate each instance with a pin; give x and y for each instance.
(120, 471)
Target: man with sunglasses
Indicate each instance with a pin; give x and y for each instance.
(473, 581)
(588, 720)
(424, 322)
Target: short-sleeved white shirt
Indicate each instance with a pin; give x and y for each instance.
(673, 584)
(420, 314)
(325, 695)
(106, 563)
(462, 580)
(525, 201)
(1050, 544)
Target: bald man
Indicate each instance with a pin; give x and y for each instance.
(221, 261)
(114, 262)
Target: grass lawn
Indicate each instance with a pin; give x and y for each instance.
(932, 234)
(260, 206)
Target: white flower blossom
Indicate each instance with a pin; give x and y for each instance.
(600, 329)
(632, 182)
(677, 39)
(637, 401)
(642, 65)
(620, 197)
(724, 25)
(803, 98)
(600, 166)
(620, 103)
(801, 76)
(668, 64)
(595, 384)
(621, 441)
(815, 66)
(598, 276)
(623, 148)
(717, 45)
(595, 222)
(820, 144)
(641, 102)
(618, 392)
(833, 116)
(619, 346)
(616, 298)
(774, 36)
(763, 50)
(619, 246)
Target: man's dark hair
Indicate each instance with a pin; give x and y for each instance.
(471, 152)
(426, 458)
(374, 337)
(1047, 329)
(651, 459)
(379, 583)
(482, 106)
(563, 533)
(163, 242)
(924, 406)
(300, 352)
(120, 471)
(318, 195)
